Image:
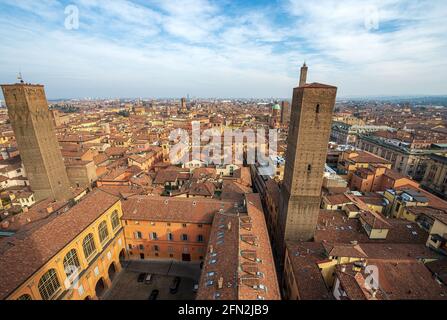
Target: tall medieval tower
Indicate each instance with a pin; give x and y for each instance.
(36, 139)
(309, 131)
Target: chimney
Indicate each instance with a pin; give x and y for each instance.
(303, 75)
(49, 209)
(220, 283)
(343, 268)
(229, 225)
(211, 249)
(25, 209)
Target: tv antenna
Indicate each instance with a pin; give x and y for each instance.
(20, 78)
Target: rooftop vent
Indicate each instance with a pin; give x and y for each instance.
(249, 238)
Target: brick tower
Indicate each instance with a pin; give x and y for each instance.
(183, 107)
(36, 139)
(310, 125)
(285, 112)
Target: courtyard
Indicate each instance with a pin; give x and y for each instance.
(127, 287)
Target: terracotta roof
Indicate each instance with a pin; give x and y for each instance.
(319, 85)
(344, 250)
(188, 210)
(164, 176)
(202, 189)
(433, 200)
(374, 220)
(304, 257)
(439, 269)
(239, 263)
(334, 226)
(337, 199)
(403, 280)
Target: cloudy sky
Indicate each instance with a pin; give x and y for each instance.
(224, 48)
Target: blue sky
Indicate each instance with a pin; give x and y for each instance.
(165, 48)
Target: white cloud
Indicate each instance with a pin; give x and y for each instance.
(170, 48)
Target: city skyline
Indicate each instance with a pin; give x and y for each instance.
(224, 49)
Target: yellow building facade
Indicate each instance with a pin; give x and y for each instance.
(84, 268)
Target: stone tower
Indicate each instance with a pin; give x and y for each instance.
(285, 112)
(310, 126)
(36, 139)
(303, 75)
(183, 107)
(275, 116)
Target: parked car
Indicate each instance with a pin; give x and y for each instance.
(174, 285)
(141, 277)
(148, 278)
(153, 295)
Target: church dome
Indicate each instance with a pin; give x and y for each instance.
(276, 107)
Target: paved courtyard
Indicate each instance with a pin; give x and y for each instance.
(126, 286)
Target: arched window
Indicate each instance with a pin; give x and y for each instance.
(25, 297)
(48, 285)
(317, 109)
(71, 262)
(89, 246)
(115, 220)
(103, 232)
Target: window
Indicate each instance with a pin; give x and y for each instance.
(156, 248)
(309, 168)
(71, 263)
(170, 237)
(103, 232)
(25, 297)
(48, 285)
(138, 235)
(200, 225)
(141, 247)
(184, 237)
(199, 238)
(115, 220)
(89, 246)
(317, 109)
(184, 225)
(153, 235)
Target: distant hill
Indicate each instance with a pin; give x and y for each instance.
(413, 100)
